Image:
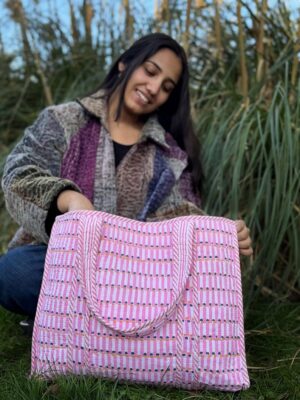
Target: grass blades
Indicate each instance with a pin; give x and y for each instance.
(273, 356)
(253, 159)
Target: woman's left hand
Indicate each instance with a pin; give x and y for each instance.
(244, 239)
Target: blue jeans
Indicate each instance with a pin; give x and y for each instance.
(21, 274)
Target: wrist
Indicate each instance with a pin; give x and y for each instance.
(64, 199)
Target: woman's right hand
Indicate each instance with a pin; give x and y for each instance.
(69, 200)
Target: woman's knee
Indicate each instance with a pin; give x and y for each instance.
(21, 273)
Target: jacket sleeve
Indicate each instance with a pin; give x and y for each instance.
(31, 174)
(182, 201)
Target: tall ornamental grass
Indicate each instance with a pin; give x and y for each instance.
(252, 162)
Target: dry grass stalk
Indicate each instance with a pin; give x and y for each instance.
(263, 368)
(186, 37)
(162, 14)
(2, 51)
(294, 358)
(157, 10)
(167, 14)
(261, 66)
(296, 57)
(39, 69)
(88, 14)
(200, 3)
(286, 284)
(264, 290)
(128, 20)
(157, 14)
(18, 15)
(288, 359)
(259, 332)
(219, 47)
(243, 66)
(75, 32)
(19, 102)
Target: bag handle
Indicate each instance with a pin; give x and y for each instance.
(90, 229)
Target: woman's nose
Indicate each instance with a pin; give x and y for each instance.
(153, 86)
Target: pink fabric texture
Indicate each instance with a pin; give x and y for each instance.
(149, 302)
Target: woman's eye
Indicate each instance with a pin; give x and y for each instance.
(168, 89)
(149, 71)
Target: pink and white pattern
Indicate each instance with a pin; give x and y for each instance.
(155, 302)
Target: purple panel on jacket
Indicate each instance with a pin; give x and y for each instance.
(185, 185)
(79, 163)
(160, 186)
(174, 150)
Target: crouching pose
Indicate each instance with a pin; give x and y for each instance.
(127, 149)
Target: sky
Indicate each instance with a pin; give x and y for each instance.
(10, 32)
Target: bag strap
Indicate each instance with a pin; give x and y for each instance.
(90, 234)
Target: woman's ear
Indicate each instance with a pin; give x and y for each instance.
(121, 66)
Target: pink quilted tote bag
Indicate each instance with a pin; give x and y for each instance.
(154, 302)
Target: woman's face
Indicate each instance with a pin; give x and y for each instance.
(151, 84)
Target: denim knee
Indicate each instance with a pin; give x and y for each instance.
(21, 273)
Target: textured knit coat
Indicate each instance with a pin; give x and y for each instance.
(69, 147)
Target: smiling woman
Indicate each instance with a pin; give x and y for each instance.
(127, 149)
(149, 86)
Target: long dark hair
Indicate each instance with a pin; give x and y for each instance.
(175, 114)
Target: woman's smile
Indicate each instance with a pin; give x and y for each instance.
(151, 84)
(141, 97)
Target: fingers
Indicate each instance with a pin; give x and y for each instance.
(240, 224)
(245, 244)
(244, 239)
(245, 247)
(242, 230)
(246, 252)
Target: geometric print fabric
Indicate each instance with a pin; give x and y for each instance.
(150, 302)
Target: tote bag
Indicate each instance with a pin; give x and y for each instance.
(150, 302)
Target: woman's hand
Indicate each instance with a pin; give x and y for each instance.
(69, 200)
(244, 238)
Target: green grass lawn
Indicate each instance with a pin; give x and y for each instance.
(273, 355)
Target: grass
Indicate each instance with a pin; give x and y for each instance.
(273, 356)
(252, 155)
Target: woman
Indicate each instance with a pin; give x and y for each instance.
(128, 149)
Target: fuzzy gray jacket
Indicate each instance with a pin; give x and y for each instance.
(69, 146)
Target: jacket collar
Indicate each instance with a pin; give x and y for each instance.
(95, 104)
